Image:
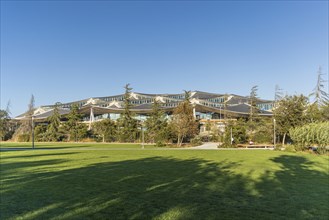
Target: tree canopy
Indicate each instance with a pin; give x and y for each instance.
(127, 125)
(289, 113)
(156, 124)
(183, 121)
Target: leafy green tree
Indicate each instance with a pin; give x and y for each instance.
(239, 132)
(127, 124)
(25, 128)
(156, 124)
(30, 113)
(40, 132)
(289, 113)
(264, 131)
(81, 131)
(7, 128)
(254, 118)
(106, 128)
(53, 133)
(208, 125)
(183, 121)
(313, 113)
(324, 110)
(72, 126)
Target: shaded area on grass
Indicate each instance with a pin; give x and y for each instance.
(38, 155)
(165, 188)
(5, 147)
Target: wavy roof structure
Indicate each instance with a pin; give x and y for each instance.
(142, 104)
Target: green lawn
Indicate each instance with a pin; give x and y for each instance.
(115, 181)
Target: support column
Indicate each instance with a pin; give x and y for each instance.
(92, 118)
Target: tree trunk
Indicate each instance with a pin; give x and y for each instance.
(284, 139)
(181, 141)
(178, 141)
(103, 138)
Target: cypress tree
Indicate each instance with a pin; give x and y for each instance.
(156, 124)
(54, 123)
(127, 124)
(72, 126)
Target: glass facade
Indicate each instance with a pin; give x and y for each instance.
(265, 106)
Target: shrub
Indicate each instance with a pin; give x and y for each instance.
(23, 138)
(87, 140)
(290, 148)
(278, 147)
(227, 145)
(299, 147)
(196, 141)
(160, 144)
(322, 150)
(262, 137)
(311, 134)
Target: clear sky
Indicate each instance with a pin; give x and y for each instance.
(62, 51)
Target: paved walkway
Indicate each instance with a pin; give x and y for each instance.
(207, 146)
(204, 146)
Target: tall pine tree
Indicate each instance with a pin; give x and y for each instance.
(127, 124)
(156, 124)
(321, 97)
(253, 113)
(73, 125)
(53, 126)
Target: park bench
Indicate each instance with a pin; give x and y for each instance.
(265, 146)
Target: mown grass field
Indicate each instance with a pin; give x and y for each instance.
(111, 181)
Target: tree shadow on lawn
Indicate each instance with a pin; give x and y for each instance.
(169, 188)
(40, 146)
(8, 149)
(302, 191)
(37, 155)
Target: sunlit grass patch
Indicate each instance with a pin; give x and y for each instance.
(105, 182)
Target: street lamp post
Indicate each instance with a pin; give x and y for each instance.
(142, 137)
(32, 120)
(142, 134)
(274, 134)
(231, 137)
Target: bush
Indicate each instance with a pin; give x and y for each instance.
(299, 147)
(215, 138)
(290, 148)
(196, 141)
(262, 137)
(311, 134)
(87, 140)
(278, 147)
(160, 144)
(205, 138)
(23, 138)
(227, 145)
(322, 150)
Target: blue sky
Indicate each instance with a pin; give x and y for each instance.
(63, 51)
